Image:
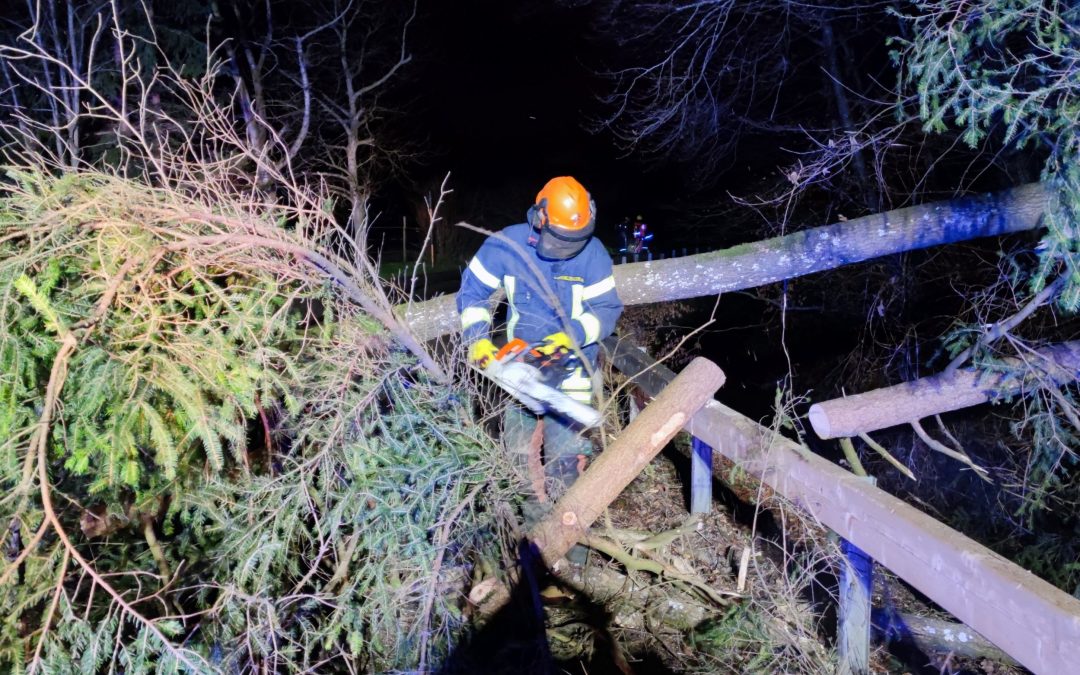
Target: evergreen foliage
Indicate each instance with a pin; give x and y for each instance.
(1008, 72)
(256, 468)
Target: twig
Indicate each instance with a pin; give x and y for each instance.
(852, 457)
(947, 451)
(155, 550)
(441, 541)
(52, 610)
(34, 541)
(433, 218)
(997, 330)
(632, 562)
(887, 456)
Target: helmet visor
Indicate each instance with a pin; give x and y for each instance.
(558, 244)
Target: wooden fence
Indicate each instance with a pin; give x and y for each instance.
(1029, 619)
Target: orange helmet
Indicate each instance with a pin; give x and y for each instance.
(564, 216)
(568, 205)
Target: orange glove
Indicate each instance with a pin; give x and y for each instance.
(482, 353)
(555, 342)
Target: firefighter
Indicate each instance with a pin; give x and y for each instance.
(561, 299)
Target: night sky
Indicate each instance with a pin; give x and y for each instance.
(505, 93)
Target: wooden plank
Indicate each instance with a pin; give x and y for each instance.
(1031, 620)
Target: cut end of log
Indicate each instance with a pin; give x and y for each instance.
(819, 419)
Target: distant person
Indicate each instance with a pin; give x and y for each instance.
(626, 237)
(561, 297)
(641, 235)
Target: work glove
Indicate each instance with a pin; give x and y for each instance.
(482, 353)
(554, 343)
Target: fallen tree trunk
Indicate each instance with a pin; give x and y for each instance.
(903, 403)
(798, 254)
(1032, 621)
(936, 636)
(623, 460)
(635, 605)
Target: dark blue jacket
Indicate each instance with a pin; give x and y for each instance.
(576, 296)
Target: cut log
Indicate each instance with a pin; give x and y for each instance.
(794, 255)
(624, 459)
(1032, 621)
(635, 605)
(936, 636)
(630, 603)
(902, 403)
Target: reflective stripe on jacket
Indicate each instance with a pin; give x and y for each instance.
(577, 296)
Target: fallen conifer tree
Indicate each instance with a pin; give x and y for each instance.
(214, 457)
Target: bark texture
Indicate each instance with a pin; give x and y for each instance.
(937, 636)
(623, 460)
(1032, 621)
(903, 403)
(813, 250)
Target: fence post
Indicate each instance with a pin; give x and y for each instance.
(700, 476)
(853, 617)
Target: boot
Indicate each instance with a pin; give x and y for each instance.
(561, 472)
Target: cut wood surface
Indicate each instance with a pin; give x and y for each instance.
(902, 403)
(624, 459)
(813, 250)
(1032, 621)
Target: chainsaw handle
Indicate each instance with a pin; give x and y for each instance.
(511, 350)
(516, 347)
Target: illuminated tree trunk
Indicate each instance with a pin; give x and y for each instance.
(794, 255)
(937, 636)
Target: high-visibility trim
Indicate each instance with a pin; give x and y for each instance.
(578, 386)
(577, 292)
(599, 288)
(511, 289)
(470, 316)
(591, 326)
(485, 277)
(577, 381)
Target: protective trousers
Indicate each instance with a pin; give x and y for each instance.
(557, 444)
(564, 451)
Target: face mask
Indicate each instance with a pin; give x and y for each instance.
(554, 243)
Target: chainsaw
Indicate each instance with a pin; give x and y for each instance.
(527, 375)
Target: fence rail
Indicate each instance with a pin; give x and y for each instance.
(1029, 619)
(648, 255)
